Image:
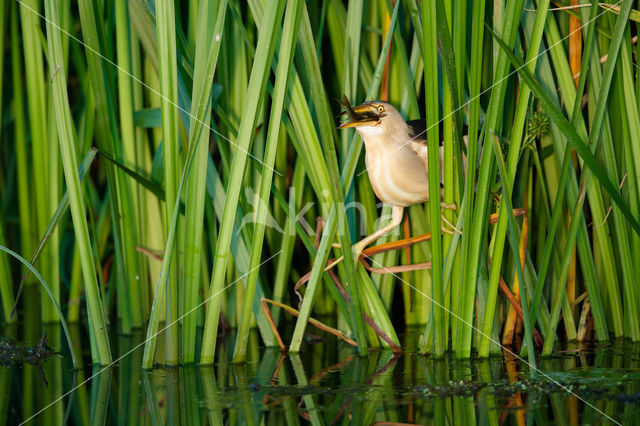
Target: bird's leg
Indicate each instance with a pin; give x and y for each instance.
(396, 220)
(445, 221)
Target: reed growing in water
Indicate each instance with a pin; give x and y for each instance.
(208, 141)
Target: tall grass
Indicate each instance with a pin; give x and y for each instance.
(219, 152)
(43, 153)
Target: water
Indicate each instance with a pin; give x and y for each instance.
(327, 383)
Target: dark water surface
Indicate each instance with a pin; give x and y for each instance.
(327, 383)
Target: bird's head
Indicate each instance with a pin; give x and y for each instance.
(371, 117)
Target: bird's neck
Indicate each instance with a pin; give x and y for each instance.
(376, 137)
(385, 150)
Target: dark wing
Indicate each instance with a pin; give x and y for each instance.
(418, 130)
(418, 141)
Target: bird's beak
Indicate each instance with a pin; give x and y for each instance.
(364, 114)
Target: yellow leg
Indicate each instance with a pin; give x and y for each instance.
(396, 220)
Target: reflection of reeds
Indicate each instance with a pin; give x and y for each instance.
(329, 384)
(217, 124)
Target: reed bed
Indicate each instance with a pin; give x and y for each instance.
(195, 146)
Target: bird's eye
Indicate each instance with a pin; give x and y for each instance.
(380, 109)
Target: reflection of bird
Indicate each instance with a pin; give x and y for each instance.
(396, 159)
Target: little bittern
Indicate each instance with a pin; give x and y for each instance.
(396, 159)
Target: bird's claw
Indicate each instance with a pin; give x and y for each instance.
(453, 229)
(451, 206)
(357, 250)
(446, 221)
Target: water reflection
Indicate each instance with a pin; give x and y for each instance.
(327, 384)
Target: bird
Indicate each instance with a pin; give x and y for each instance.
(395, 158)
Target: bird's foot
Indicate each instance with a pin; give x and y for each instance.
(451, 206)
(446, 222)
(357, 250)
(446, 230)
(353, 248)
